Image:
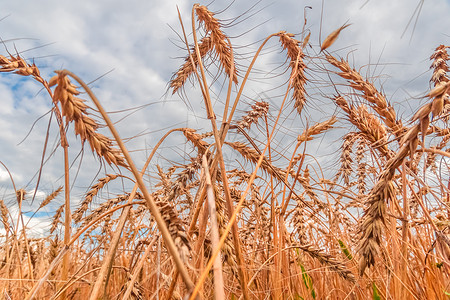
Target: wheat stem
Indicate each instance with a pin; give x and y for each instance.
(149, 199)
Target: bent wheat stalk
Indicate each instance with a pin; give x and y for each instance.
(239, 205)
(107, 263)
(148, 198)
(211, 116)
(218, 276)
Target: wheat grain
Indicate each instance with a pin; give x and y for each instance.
(5, 215)
(253, 156)
(328, 260)
(369, 125)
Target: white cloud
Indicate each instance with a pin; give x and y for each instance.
(4, 176)
(133, 38)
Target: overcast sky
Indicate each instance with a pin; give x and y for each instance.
(134, 45)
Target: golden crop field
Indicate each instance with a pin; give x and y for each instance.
(250, 210)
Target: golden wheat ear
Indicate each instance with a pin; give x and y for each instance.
(259, 110)
(332, 37)
(219, 40)
(188, 68)
(74, 109)
(297, 78)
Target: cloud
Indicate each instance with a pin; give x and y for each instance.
(133, 39)
(4, 176)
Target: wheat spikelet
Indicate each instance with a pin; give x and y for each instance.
(376, 99)
(430, 160)
(50, 197)
(166, 202)
(346, 169)
(19, 66)
(372, 128)
(439, 93)
(53, 252)
(361, 169)
(56, 217)
(305, 182)
(261, 212)
(297, 77)
(78, 214)
(238, 176)
(439, 65)
(373, 223)
(173, 190)
(137, 290)
(259, 110)
(332, 37)
(106, 229)
(440, 80)
(5, 213)
(445, 134)
(176, 227)
(306, 40)
(20, 196)
(54, 248)
(367, 123)
(441, 104)
(195, 139)
(297, 158)
(328, 260)
(374, 217)
(180, 185)
(75, 110)
(218, 39)
(222, 220)
(316, 129)
(252, 155)
(106, 206)
(187, 69)
(298, 219)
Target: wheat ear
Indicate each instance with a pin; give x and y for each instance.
(297, 77)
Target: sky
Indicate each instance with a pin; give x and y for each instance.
(128, 51)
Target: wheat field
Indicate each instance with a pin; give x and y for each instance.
(249, 212)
